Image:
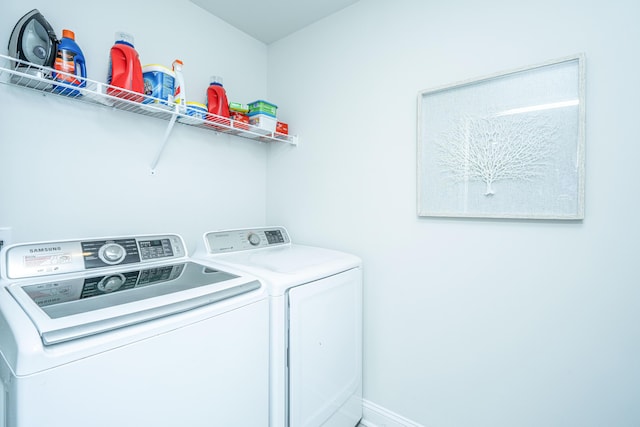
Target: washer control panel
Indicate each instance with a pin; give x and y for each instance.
(245, 239)
(41, 259)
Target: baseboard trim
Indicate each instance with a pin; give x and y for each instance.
(377, 416)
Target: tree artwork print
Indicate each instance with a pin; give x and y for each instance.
(491, 149)
(509, 145)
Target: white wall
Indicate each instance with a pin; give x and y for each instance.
(70, 170)
(469, 322)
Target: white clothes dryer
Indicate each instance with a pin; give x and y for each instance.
(129, 331)
(315, 323)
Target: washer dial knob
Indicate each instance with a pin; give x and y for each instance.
(111, 283)
(254, 239)
(112, 253)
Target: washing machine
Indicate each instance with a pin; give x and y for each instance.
(129, 331)
(315, 299)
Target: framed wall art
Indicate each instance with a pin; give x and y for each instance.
(510, 145)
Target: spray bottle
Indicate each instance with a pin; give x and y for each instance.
(179, 95)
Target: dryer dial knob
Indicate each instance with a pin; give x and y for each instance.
(112, 253)
(254, 239)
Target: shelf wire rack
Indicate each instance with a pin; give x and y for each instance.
(49, 81)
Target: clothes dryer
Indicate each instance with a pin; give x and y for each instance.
(129, 331)
(315, 299)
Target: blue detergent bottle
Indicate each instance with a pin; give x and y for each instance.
(71, 64)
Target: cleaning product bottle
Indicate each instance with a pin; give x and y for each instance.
(179, 94)
(217, 102)
(70, 62)
(125, 70)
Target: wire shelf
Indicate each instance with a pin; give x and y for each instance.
(47, 80)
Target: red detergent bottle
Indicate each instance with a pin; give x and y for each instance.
(125, 70)
(217, 102)
(70, 62)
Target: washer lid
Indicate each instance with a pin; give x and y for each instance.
(76, 307)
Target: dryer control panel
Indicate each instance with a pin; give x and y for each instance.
(43, 259)
(245, 239)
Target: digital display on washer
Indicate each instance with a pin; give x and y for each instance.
(157, 248)
(74, 296)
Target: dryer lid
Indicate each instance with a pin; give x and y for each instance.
(295, 259)
(286, 267)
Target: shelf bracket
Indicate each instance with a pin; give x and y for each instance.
(164, 143)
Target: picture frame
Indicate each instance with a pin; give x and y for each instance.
(508, 145)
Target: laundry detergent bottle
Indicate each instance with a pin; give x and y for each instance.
(125, 70)
(71, 64)
(217, 102)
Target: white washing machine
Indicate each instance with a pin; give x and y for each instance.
(316, 323)
(129, 331)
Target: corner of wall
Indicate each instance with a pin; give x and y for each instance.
(376, 416)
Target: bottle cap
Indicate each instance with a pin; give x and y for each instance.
(124, 36)
(216, 80)
(68, 34)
